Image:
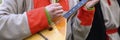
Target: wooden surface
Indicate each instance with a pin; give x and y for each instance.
(58, 32)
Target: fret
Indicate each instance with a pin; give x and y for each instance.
(75, 8)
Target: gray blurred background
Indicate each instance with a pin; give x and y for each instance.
(0, 1)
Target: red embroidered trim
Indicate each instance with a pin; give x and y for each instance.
(109, 2)
(111, 31)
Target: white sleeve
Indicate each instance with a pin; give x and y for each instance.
(13, 21)
(76, 31)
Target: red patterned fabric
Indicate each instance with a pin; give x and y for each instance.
(86, 16)
(37, 20)
(111, 31)
(109, 2)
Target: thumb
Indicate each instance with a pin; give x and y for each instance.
(91, 3)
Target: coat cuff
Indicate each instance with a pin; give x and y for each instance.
(37, 20)
(111, 31)
(86, 16)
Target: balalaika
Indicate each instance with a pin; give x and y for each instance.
(59, 27)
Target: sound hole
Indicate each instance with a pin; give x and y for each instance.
(50, 28)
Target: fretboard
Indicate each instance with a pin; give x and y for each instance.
(75, 8)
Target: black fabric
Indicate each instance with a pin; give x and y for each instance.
(118, 2)
(98, 28)
(119, 26)
(119, 30)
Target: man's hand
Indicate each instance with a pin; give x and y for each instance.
(55, 10)
(91, 3)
